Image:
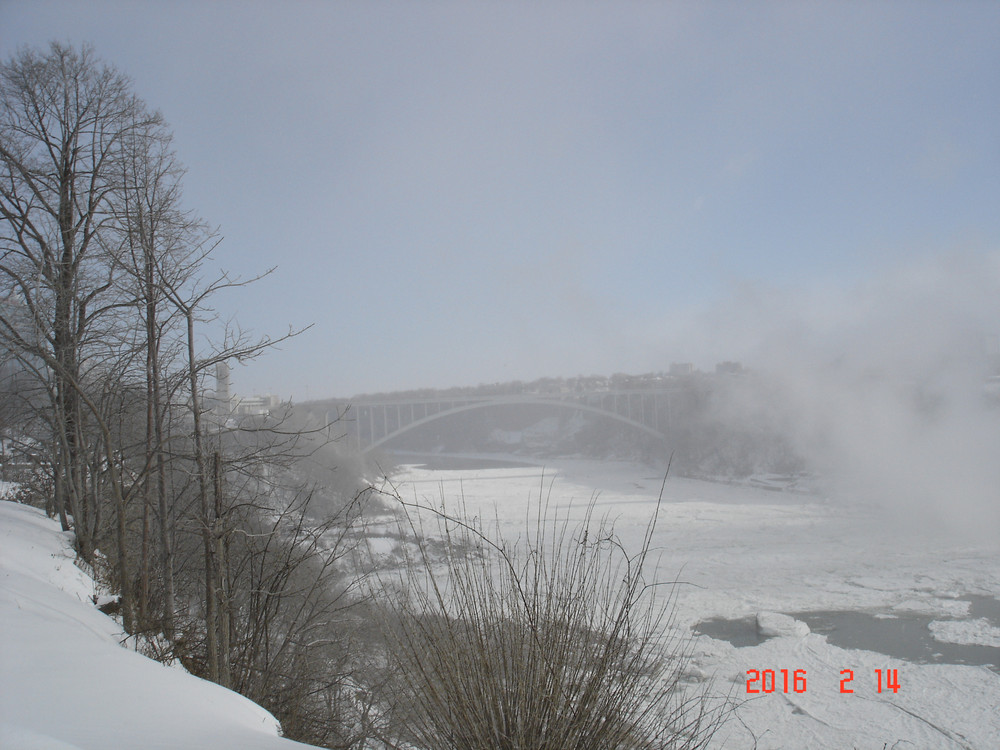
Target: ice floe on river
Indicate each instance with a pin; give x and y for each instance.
(743, 550)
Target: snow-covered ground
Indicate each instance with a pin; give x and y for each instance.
(744, 551)
(67, 684)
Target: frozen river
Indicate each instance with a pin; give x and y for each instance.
(743, 550)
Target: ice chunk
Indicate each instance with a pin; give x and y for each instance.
(777, 624)
(966, 632)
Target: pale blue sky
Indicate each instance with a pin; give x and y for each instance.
(456, 193)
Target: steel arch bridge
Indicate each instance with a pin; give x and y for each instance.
(372, 423)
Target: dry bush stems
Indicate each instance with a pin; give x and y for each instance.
(555, 641)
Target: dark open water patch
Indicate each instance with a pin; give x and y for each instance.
(905, 637)
(742, 632)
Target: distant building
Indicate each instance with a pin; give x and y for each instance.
(681, 368)
(728, 368)
(254, 406)
(227, 404)
(221, 401)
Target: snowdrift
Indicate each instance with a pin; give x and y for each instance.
(67, 684)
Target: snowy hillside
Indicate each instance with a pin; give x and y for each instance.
(66, 683)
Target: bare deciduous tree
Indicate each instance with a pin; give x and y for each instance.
(64, 119)
(205, 524)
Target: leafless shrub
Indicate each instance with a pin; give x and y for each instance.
(552, 642)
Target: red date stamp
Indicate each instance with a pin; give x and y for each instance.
(795, 681)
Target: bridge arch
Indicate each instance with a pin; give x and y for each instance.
(566, 404)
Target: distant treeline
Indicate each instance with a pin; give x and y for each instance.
(551, 385)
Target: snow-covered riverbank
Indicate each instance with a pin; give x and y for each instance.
(67, 684)
(743, 550)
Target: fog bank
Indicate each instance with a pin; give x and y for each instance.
(885, 386)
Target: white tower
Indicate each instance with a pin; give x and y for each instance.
(222, 402)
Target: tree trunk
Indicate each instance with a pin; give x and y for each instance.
(225, 677)
(207, 522)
